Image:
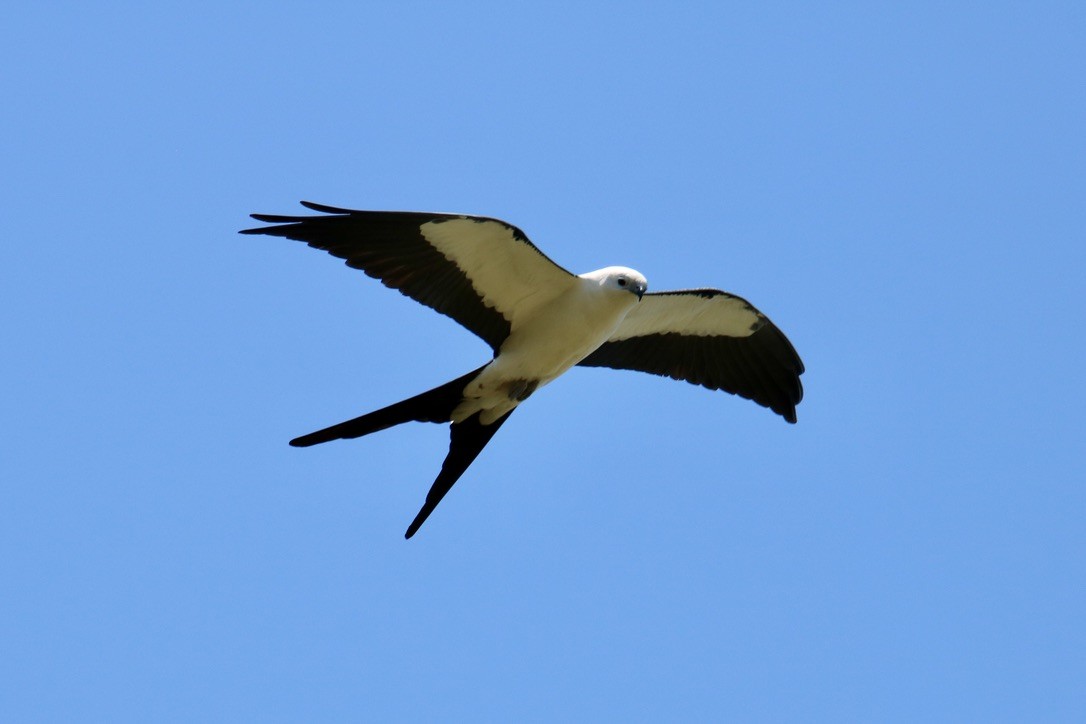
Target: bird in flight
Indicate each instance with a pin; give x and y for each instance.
(540, 320)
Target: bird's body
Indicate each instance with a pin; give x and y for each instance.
(540, 321)
(555, 337)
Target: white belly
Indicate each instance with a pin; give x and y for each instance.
(557, 337)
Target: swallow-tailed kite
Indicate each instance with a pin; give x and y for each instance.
(540, 320)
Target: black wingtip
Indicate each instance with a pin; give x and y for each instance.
(324, 208)
(283, 219)
(267, 219)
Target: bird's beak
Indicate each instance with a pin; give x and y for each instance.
(639, 290)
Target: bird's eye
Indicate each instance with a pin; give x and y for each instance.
(622, 282)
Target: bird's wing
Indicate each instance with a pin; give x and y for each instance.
(482, 272)
(710, 338)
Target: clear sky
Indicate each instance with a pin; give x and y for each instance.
(900, 187)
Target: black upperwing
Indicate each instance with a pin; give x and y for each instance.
(709, 338)
(482, 272)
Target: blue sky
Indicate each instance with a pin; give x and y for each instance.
(900, 187)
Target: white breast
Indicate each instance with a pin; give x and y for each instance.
(542, 347)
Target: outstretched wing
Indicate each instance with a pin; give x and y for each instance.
(710, 338)
(482, 272)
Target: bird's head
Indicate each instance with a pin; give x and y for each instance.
(619, 278)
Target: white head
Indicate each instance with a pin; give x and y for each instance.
(619, 278)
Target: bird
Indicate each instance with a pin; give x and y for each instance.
(540, 320)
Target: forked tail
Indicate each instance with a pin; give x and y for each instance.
(436, 405)
(466, 441)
